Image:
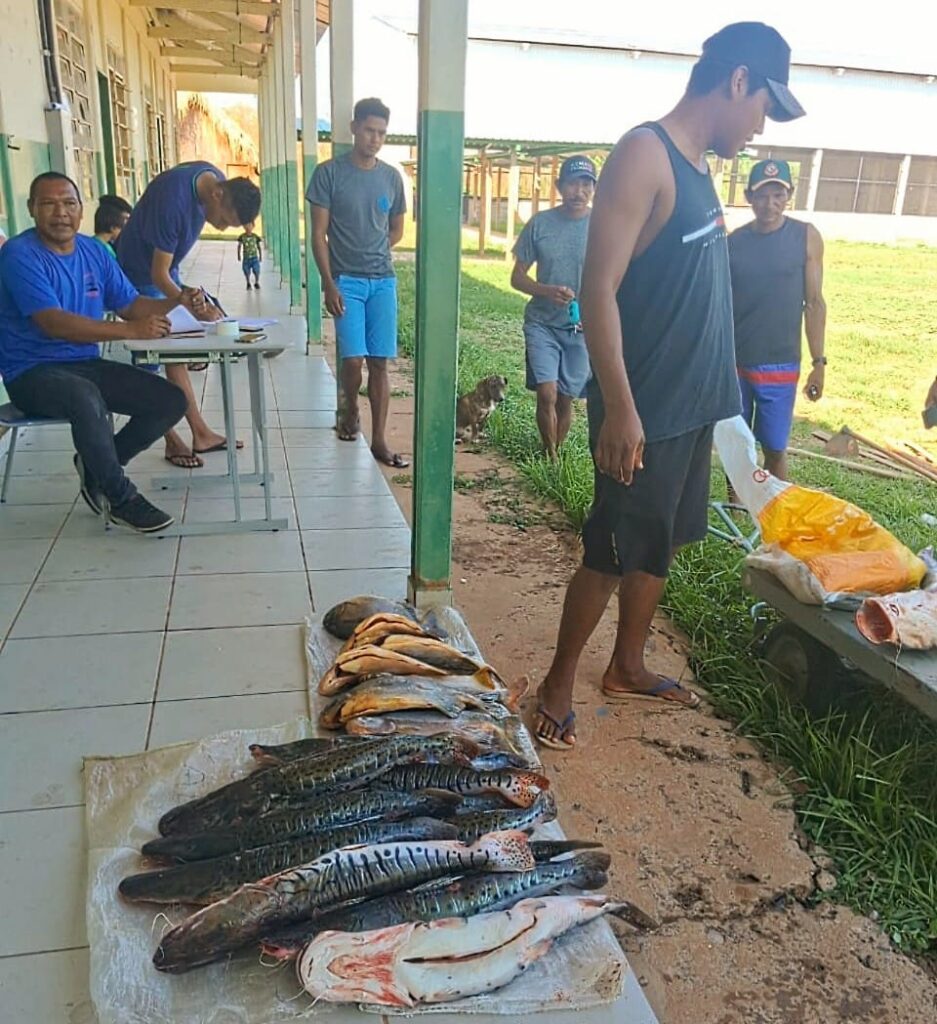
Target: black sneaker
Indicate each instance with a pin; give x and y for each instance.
(94, 499)
(248, 286)
(140, 515)
(256, 284)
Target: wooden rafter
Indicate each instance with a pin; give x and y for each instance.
(229, 53)
(244, 70)
(261, 8)
(187, 32)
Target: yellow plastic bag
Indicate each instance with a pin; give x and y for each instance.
(841, 545)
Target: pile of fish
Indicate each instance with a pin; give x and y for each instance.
(398, 674)
(393, 869)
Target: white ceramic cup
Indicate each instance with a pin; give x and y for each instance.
(228, 328)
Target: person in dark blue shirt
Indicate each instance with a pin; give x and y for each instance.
(54, 287)
(163, 228)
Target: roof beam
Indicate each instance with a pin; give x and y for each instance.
(176, 28)
(233, 53)
(258, 7)
(244, 70)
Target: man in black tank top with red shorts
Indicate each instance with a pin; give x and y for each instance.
(776, 264)
(657, 316)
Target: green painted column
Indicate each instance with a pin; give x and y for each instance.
(310, 116)
(342, 73)
(342, 91)
(293, 259)
(283, 239)
(441, 142)
(268, 157)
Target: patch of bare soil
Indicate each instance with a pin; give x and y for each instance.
(699, 823)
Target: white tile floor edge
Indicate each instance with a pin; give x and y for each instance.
(124, 634)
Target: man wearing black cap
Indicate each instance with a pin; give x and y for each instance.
(657, 315)
(556, 356)
(777, 287)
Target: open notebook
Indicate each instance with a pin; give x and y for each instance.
(184, 323)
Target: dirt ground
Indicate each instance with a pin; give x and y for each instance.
(698, 823)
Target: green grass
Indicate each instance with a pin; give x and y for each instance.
(864, 774)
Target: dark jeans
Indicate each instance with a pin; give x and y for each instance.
(84, 393)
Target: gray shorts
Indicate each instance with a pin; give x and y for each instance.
(556, 354)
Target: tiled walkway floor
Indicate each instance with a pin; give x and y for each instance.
(111, 643)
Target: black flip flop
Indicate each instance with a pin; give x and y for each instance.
(395, 460)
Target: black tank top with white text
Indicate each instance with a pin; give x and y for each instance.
(768, 292)
(675, 304)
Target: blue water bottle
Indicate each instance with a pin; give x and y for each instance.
(574, 319)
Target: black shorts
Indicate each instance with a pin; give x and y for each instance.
(637, 528)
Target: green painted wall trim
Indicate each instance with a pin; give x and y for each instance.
(100, 173)
(438, 254)
(19, 164)
(294, 252)
(284, 225)
(6, 184)
(110, 164)
(313, 279)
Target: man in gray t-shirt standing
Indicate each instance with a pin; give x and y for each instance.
(358, 205)
(557, 360)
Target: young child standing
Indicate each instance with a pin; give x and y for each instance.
(249, 250)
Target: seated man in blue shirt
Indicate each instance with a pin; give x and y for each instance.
(54, 287)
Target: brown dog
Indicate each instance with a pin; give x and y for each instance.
(472, 410)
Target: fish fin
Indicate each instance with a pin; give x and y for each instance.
(517, 691)
(635, 916)
(550, 849)
(534, 953)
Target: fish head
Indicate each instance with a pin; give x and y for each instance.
(356, 968)
(213, 932)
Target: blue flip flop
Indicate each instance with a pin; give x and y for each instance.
(561, 727)
(666, 685)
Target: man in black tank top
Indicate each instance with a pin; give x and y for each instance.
(777, 288)
(657, 317)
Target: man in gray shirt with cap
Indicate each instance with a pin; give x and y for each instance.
(557, 360)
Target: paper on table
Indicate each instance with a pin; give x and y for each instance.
(256, 323)
(182, 322)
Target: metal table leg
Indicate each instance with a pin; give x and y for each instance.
(229, 433)
(259, 423)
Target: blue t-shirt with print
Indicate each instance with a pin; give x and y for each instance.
(33, 277)
(168, 217)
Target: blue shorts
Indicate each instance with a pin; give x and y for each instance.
(251, 266)
(768, 396)
(369, 324)
(556, 355)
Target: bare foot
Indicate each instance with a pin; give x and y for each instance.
(648, 685)
(179, 455)
(555, 720)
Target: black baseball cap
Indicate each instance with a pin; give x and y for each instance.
(764, 52)
(578, 167)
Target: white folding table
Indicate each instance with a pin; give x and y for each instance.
(215, 348)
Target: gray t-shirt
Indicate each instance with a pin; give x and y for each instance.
(557, 244)
(360, 205)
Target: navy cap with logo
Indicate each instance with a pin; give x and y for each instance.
(766, 171)
(764, 52)
(578, 167)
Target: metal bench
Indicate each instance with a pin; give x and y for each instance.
(11, 417)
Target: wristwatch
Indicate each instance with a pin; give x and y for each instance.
(820, 361)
